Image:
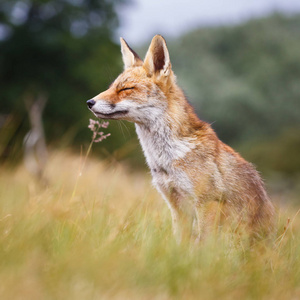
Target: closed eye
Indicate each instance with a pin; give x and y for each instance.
(126, 89)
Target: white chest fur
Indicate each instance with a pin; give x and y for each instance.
(161, 150)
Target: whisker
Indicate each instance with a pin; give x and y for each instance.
(124, 124)
(120, 127)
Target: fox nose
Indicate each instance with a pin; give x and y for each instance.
(90, 103)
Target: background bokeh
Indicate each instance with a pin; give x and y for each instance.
(80, 220)
(238, 64)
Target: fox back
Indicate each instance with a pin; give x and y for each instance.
(192, 169)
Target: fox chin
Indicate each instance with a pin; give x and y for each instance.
(191, 167)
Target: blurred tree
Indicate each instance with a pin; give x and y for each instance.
(279, 154)
(244, 79)
(61, 49)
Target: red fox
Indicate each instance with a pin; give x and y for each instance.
(190, 166)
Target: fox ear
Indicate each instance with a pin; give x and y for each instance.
(157, 60)
(130, 58)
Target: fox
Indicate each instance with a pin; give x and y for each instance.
(195, 172)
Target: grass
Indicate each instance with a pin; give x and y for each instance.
(103, 232)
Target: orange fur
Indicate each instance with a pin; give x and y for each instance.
(190, 166)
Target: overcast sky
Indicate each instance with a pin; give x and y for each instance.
(145, 18)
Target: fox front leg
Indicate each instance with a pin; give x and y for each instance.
(198, 223)
(180, 224)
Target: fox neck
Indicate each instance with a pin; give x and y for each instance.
(163, 142)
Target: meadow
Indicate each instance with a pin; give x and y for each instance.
(99, 230)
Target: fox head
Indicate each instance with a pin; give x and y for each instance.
(141, 92)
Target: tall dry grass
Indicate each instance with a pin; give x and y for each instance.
(102, 232)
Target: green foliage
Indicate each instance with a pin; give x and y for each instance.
(280, 154)
(243, 79)
(61, 49)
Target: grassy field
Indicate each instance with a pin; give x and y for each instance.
(103, 232)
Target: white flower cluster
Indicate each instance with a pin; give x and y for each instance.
(95, 126)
